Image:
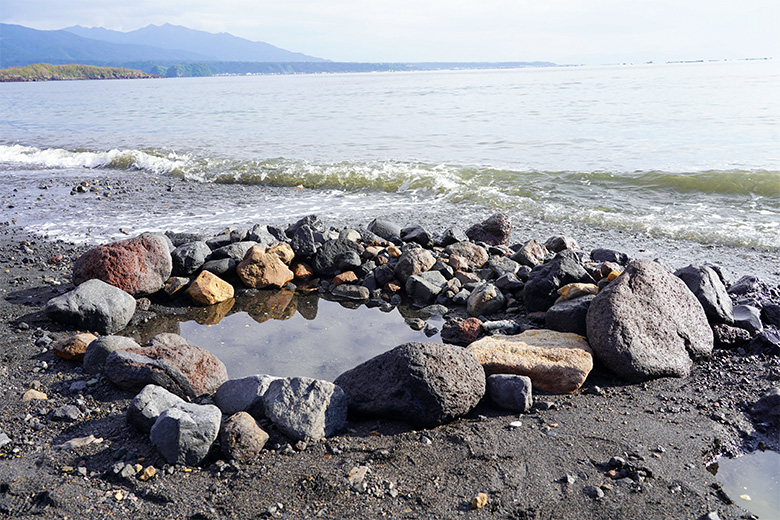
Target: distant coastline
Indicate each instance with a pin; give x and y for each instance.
(47, 72)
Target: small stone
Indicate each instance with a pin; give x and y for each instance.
(593, 492)
(515, 424)
(33, 395)
(74, 347)
(347, 277)
(4, 440)
(67, 413)
(148, 473)
(479, 501)
(356, 478)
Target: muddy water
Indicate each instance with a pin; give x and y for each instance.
(752, 481)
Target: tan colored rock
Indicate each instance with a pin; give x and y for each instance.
(73, 347)
(260, 269)
(475, 256)
(33, 395)
(301, 271)
(213, 314)
(575, 290)
(347, 277)
(208, 289)
(284, 251)
(556, 362)
(242, 438)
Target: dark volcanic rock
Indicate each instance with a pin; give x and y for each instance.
(708, 287)
(510, 392)
(648, 324)
(458, 331)
(235, 251)
(767, 409)
(418, 235)
(385, 229)
(337, 256)
(137, 265)
(729, 337)
(609, 255)
(303, 241)
(93, 305)
(569, 315)
(188, 258)
(494, 230)
(313, 222)
(425, 384)
(541, 289)
(424, 287)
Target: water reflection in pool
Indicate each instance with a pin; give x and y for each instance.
(752, 481)
(286, 334)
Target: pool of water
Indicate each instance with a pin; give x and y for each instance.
(752, 481)
(286, 334)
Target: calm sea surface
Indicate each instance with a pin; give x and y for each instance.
(688, 151)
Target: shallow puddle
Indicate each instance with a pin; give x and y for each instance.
(286, 334)
(752, 481)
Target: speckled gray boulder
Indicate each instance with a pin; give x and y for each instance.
(94, 305)
(188, 258)
(148, 405)
(185, 432)
(648, 324)
(708, 287)
(305, 409)
(99, 349)
(424, 384)
(243, 395)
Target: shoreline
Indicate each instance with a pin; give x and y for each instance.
(671, 427)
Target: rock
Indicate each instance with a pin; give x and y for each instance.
(4, 440)
(418, 235)
(148, 405)
(502, 266)
(352, 293)
(510, 392)
(532, 253)
(475, 256)
(556, 362)
(303, 242)
(746, 285)
(458, 331)
(184, 433)
(648, 324)
(306, 409)
(541, 289)
(168, 361)
(301, 271)
(559, 243)
(313, 222)
(767, 341)
(175, 284)
(33, 395)
(593, 492)
(66, 413)
(242, 439)
(413, 261)
(220, 240)
(770, 314)
(569, 316)
(348, 277)
(609, 255)
(748, 317)
(283, 250)
(707, 285)
(208, 289)
(260, 270)
(221, 267)
(573, 291)
(767, 409)
(424, 287)
(188, 258)
(479, 501)
(179, 239)
(494, 230)
(509, 283)
(729, 337)
(73, 347)
(93, 305)
(425, 384)
(485, 300)
(243, 395)
(266, 235)
(137, 265)
(235, 251)
(337, 256)
(450, 236)
(385, 229)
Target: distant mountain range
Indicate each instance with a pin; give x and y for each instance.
(167, 43)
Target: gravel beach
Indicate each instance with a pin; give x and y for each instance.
(552, 462)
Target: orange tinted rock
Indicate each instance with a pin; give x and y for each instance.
(74, 347)
(260, 269)
(301, 271)
(347, 277)
(208, 289)
(284, 251)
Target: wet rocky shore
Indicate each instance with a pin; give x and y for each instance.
(571, 383)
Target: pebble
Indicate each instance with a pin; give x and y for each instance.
(66, 412)
(479, 501)
(34, 395)
(515, 424)
(593, 491)
(4, 440)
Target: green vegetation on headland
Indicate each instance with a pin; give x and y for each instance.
(46, 72)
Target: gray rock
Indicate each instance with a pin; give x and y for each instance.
(263, 234)
(184, 433)
(475, 255)
(188, 258)
(569, 315)
(541, 289)
(424, 384)
(530, 254)
(220, 240)
(509, 283)
(729, 337)
(767, 409)
(510, 392)
(99, 349)
(648, 324)
(746, 285)
(313, 222)
(179, 239)
(450, 236)
(418, 235)
(351, 293)
(493, 231)
(388, 230)
(66, 413)
(306, 409)
(235, 251)
(413, 261)
(770, 314)
(502, 266)
(243, 395)
(337, 256)
(557, 244)
(749, 318)
(303, 242)
(148, 405)
(707, 285)
(221, 267)
(767, 341)
(609, 255)
(93, 305)
(4, 440)
(486, 299)
(424, 287)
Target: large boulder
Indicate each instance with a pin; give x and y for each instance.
(569, 315)
(208, 289)
(493, 231)
(138, 265)
(556, 362)
(185, 432)
(97, 351)
(424, 384)
(541, 289)
(168, 361)
(305, 409)
(93, 305)
(260, 269)
(708, 287)
(148, 405)
(648, 324)
(244, 395)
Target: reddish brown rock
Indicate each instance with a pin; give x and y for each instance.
(347, 277)
(261, 269)
(301, 271)
(138, 265)
(474, 255)
(208, 289)
(73, 347)
(169, 361)
(413, 261)
(494, 230)
(556, 362)
(284, 251)
(462, 332)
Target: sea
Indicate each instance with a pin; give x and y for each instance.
(683, 152)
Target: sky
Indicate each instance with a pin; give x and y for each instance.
(561, 31)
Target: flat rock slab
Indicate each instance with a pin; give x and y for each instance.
(138, 265)
(93, 305)
(424, 384)
(170, 362)
(648, 324)
(556, 362)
